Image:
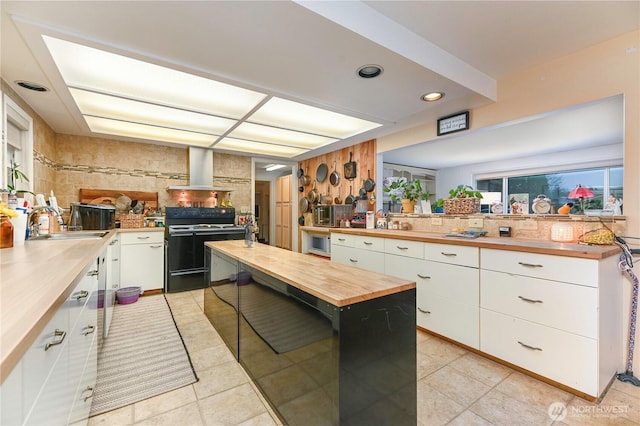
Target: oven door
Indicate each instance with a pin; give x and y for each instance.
(185, 258)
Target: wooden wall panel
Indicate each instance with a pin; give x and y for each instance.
(364, 155)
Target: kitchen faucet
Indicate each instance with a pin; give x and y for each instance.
(34, 229)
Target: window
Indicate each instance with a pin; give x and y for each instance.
(17, 144)
(556, 186)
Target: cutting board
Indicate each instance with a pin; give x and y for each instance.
(109, 196)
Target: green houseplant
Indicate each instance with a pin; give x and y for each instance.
(463, 199)
(408, 192)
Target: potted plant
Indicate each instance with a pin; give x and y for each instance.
(409, 192)
(463, 199)
(438, 206)
(15, 175)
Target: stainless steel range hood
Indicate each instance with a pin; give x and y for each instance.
(200, 172)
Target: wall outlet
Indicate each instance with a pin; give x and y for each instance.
(436, 221)
(527, 224)
(476, 222)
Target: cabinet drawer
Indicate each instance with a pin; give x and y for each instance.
(369, 243)
(450, 253)
(342, 239)
(557, 268)
(404, 248)
(568, 307)
(365, 259)
(564, 357)
(141, 237)
(448, 318)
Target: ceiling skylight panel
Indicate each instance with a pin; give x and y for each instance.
(239, 145)
(106, 106)
(141, 131)
(102, 71)
(257, 132)
(292, 115)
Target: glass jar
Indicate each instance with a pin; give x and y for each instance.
(6, 232)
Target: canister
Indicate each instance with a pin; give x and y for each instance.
(371, 220)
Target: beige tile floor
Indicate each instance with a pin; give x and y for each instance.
(455, 387)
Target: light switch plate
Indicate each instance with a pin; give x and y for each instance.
(476, 222)
(436, 221)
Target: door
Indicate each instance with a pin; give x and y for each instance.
(283, 212)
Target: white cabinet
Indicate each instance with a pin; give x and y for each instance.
(356, 250)
(54, 366)
(553, 315)
(142, 260)
(447, 294)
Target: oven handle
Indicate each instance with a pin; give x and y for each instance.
(187, 272)
(181, 233)
(206, 234)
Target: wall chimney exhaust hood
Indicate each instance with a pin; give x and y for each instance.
(200, 172)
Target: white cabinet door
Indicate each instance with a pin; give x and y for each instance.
(564, 357)
(11, 410)
(142, 266)
(365, 259)
(457, 321)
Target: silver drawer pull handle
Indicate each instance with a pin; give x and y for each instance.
(82, 295)
(524, 299)
(60, 335)
(402, 248)
(143, 238)
(341, 239)
(530, 265)
(158, 246)
(92, 273)
(89, 330)
(448, 254)
(115, 259)
(367, 243)
(353, 260)
(533, 348)
(423, 311)
(424, 277)
(90, 390)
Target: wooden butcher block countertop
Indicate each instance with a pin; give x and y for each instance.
(505, 243)
(36, 278)
(334, 283)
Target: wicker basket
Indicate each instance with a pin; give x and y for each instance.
(462, 206)
(130, 220)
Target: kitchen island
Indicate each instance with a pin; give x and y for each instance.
(325, 343)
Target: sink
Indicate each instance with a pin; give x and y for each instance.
(80, 235)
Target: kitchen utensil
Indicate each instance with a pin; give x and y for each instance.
(369, 184)
(305, 179)
(372, 200)
(301, 188)
(363, 190)
(350, 198)
(328, 199)
(304, 204)
(321, 172)
(334, 178)
(338, 199)
(362, 206)
(301, 221)
(350, 168)
(313, 195)
(300, 173)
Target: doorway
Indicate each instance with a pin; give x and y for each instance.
(262, 210)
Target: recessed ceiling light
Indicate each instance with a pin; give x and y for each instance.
(32, 86)
(432, 96)
(369, 71)
(272, 167)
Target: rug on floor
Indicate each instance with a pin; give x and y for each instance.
(143, 356)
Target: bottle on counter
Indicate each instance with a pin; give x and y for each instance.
(75, 220)
(43, 224)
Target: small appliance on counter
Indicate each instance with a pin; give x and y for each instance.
(359, 220)
(331, 215)
(96, 216)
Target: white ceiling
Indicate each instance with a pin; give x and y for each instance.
(309, 51)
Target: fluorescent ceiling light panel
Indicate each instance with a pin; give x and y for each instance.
(259, 133)
(292, 115)
(127, 97)
(94, 69)
(259, 148)
(142, 131)
(273, 167)
(96, 104)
